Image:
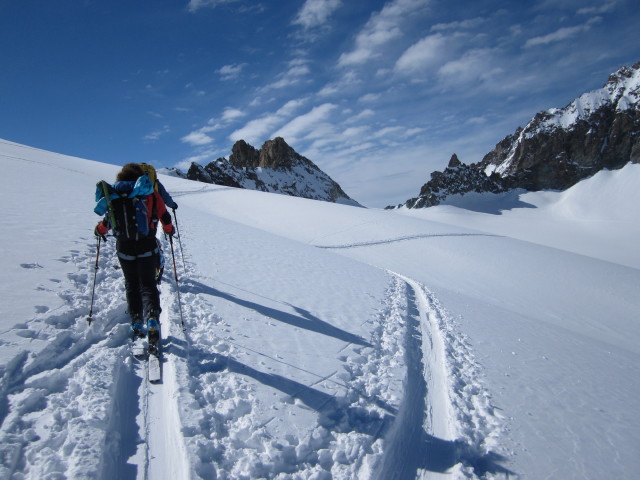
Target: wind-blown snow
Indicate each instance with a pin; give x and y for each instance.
(324, 341)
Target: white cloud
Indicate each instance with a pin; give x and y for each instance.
(412, 131)
(256, 130)
(607, 7)
(356, 132)
(381, 28)
(349, 79)
(464, 24)
(385, 132)
(297, 68)
(155, 135)
(195, 5)
(229, 72)
(306, 123)
(197, 139)
(231, 114)
(424, 54)
(366, 113)
(561, 34)
(316, 12)
(475, 66)
(369, 97)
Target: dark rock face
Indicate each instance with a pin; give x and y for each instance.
(459, 179)
(556, 149)
(244, 155)
(276, 168)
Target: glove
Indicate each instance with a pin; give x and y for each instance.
(168, 229)
(175, 206)
(100, 231)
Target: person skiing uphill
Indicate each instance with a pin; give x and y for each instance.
(132, 208)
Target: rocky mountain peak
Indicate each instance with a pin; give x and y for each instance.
(244, 155)
(275, 168)
(556, 149)
(277, 154)
(454, 161)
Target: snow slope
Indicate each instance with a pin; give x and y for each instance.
(323, 341)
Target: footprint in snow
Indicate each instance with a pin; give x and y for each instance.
(31, 265)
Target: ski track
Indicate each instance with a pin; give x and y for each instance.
(82, 408)
(400, 239)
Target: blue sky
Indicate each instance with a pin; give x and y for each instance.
(377, 93)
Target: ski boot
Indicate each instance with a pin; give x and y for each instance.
(153, 327)
(137, 326)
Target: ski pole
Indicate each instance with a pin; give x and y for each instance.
(93, 291)
(179, 239)
(175, 274)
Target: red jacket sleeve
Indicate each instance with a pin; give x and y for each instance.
(162, 212)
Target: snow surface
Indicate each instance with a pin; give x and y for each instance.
(324, 341)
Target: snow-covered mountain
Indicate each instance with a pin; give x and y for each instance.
(556, 149)
(275, 168)
(329, 343)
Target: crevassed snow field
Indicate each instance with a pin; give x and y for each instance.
(500, 340)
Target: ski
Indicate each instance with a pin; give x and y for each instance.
(138, 348)
(154, 372)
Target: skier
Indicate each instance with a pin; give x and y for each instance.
(137, 251)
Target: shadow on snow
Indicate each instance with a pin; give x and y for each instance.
(423, 452)
(304, 320)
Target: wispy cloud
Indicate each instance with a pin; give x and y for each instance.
(381, 28)
(296, 70)
(425, 53)
(195, 5)
(200, 137)
(607, 7)
(475, 66)
(316, 12)
(562, 34)
(346, 81)
(197, 139)
(305, 124)
(257, 130)
(459, 25)
(229, 72)
(155, 135)
(231, 114)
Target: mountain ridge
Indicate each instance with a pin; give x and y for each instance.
(555, 150)
(275, 168)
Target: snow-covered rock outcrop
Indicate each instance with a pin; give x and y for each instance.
(275, 168)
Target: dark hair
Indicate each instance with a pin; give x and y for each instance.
(129, 173)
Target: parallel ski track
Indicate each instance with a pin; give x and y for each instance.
(166, 453)
(447, 421)
(422, 429)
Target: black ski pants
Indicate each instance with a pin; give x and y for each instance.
(143, 298)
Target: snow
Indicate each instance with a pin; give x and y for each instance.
(492, 337)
